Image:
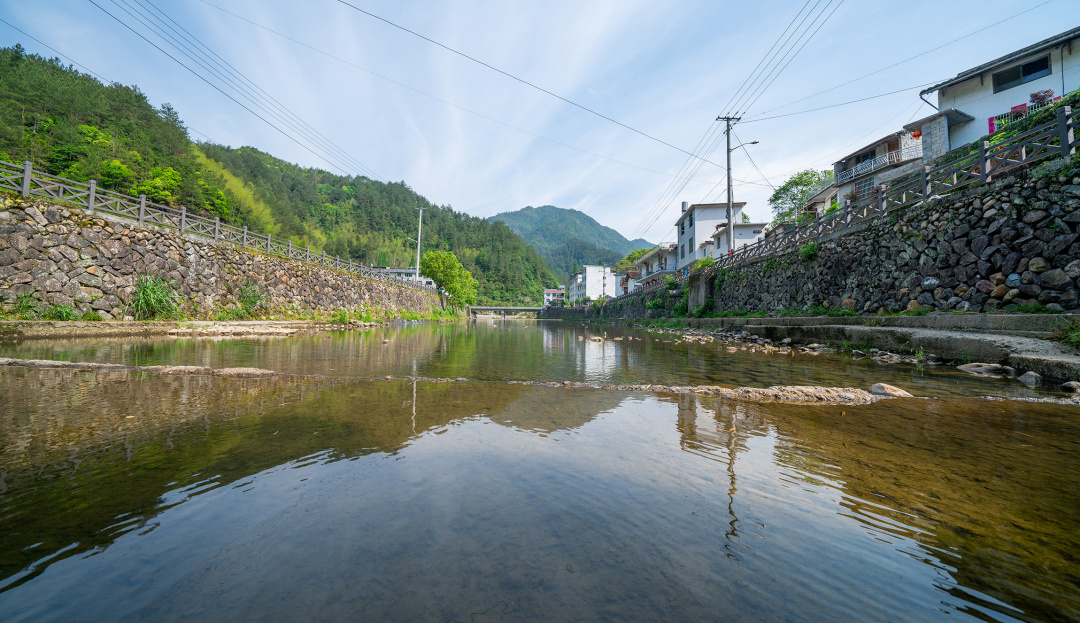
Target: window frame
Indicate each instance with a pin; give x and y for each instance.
(1023, 79)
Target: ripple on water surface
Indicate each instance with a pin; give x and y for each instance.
(125, 496)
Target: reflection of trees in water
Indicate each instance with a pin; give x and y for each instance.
(983, 491)
(74, 462)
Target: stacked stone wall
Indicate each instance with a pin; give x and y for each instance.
(1012, 244)
(64, 256)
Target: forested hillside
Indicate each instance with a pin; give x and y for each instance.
(72, 125)
(548, 227)
(564, 257)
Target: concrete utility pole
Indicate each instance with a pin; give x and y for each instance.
(730, 197)
(419, 230)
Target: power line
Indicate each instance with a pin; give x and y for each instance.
(766, 71)
(55, 50)
(218, 89)
(777, 75)
(435, 97)
(311, 135)
(910, 58)
(855, 101)
(325, 141)
(522, 80)
(711, 139)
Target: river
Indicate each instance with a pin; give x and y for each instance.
(327, 493)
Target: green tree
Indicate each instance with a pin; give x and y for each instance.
(787, 200)
(450, 277)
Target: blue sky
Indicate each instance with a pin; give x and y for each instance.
(665, 68)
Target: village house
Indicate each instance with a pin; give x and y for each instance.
(745, 233)
(592, 282)
(858, 174)
(984, 99)
(655, 265)
(555, 296)
(695, 225)
(628, 281)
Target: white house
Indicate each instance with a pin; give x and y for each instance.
(745, 233)
(983, 99)
(857, 174)
(657, 264)
(696, 225)
(554, 296)
(594, 282)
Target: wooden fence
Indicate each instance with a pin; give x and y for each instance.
(28, 182)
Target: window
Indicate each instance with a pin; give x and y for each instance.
(682, 229)
(863, 188)
(865, 156)
(691, 220)
(682, 251)
(1026, 72)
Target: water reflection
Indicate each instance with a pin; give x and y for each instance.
(124, 495)
(520, 350)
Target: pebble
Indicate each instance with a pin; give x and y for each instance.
(1030, 378)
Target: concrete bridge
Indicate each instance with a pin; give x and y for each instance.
(500, 310)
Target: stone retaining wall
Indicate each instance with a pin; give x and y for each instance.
(64, 256)
(1013, 242)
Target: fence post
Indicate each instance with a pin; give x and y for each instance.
(244, 238)
(268, 242)
(881, 198)
(91, 197)
(307, 252)
(337, 262)
(27, 173)
(142, 209)
(1065, 131)
(183, 215)
(925, 182)
(290, 248)
(217, 227)
(984, 165)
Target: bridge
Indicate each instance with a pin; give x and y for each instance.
(503, 310)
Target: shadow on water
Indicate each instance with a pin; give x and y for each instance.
(130, 496)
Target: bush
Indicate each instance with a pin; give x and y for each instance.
(92, 316)
(24, 307)
(705, 262)
(670, 283)
(809, 251)
(154, 298)
(59, 312)
(655, 304)
(681, 307)
(341, 316)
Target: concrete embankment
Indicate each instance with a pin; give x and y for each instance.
(1020, 341)
(16, 330)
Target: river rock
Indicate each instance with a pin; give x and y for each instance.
(882, 389)
(245, 373)
(1030, 378)
(987, 369)
(1071, 386)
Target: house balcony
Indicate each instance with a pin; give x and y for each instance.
(883, 161)
(998, 122)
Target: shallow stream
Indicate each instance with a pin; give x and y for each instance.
(332, 495)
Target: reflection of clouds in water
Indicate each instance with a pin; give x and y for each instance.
(547, 410)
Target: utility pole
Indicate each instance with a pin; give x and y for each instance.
(730, 197)
(419, 230)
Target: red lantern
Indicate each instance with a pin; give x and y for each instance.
(916, 134)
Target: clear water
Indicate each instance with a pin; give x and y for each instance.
(125, 496)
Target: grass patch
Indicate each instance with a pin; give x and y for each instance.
(92, 316)
(1035, 308)
(59, 312)
(154, 298)
(808, 252)
(1068, 334)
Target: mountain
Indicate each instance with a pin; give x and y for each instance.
(562, 258)
(70, 124)
(548, 227)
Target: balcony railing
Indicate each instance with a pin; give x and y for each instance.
(893, 157)
(998, 122)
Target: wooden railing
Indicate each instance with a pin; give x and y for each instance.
(1055, 139)
(28, 182)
